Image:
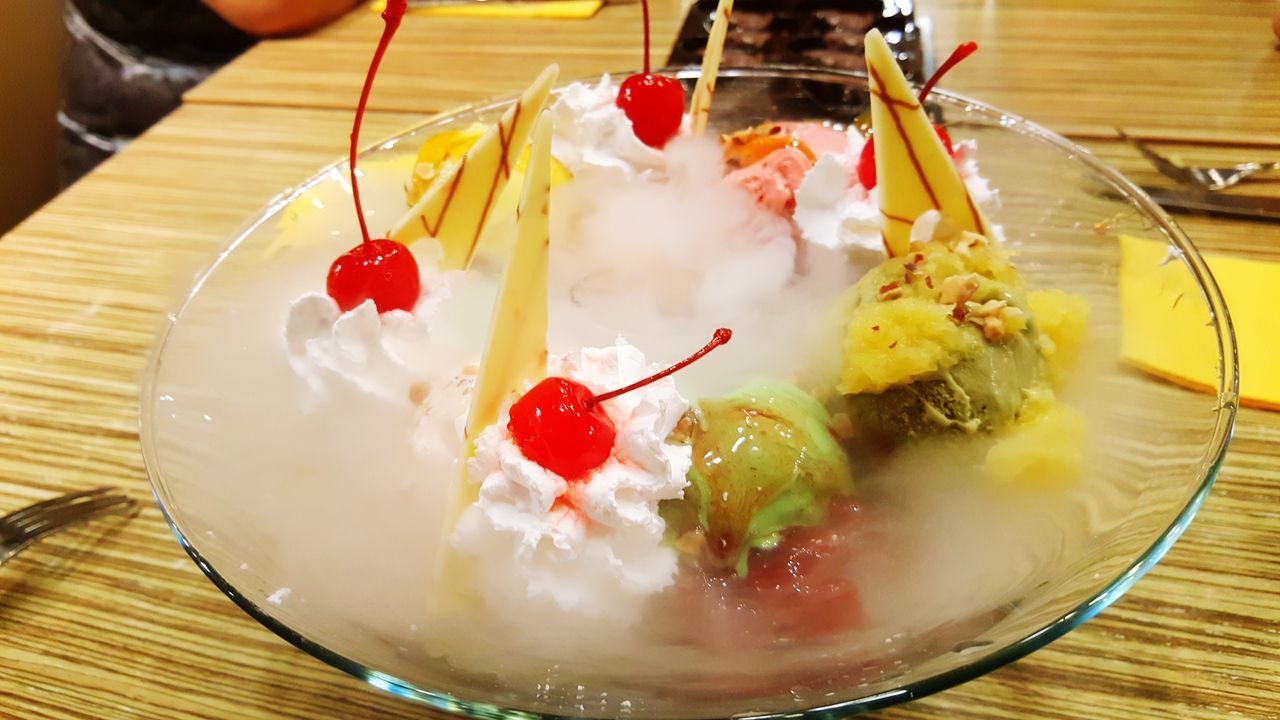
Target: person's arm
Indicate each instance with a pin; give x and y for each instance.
(267, 18)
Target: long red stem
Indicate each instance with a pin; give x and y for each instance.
(721, 336)
(392, 16)
(645, 5)
(960, 53)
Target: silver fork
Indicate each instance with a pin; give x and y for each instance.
(1205, 178)
(21, 528)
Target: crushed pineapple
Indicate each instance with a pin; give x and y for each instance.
(892, 343)
(443, 150)
(1061, 319)
(921, 313)
(1044, 448)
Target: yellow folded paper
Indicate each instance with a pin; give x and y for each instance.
(565, 9)
(1164, 319)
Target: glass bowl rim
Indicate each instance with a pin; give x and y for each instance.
(1113, 589)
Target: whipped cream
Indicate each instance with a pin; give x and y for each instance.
(593, 135)
(593, 547)
(836, 213)
(384, 355)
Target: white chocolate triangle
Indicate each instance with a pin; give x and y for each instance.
(457, 205)
(516, 350)
(914, 173)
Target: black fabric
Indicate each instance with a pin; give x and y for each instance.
(128, 63)
(184, 31)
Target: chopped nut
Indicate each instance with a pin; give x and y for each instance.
(892, 291)
(992, 328)
(911, 271)
(990, 308)
(958, 289)
(967, 241)
(996, 318)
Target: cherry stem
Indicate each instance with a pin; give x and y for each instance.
(720, 337)
(644, 4)
(392, 16)
(960, 53)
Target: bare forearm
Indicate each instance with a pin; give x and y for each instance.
(267, 18)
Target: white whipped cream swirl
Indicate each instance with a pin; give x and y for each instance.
(591, 547)
(832, 213)
(384, 355)
(593, 135)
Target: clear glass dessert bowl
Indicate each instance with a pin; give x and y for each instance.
(324, 542)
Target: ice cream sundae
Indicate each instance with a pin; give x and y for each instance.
(780, 490)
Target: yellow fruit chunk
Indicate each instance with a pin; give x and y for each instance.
(1043, 449)
(441, 151)
(750, 146)
(457, 204)
(913, 170)
(893, 343)
(438, 154)
(1062, 319)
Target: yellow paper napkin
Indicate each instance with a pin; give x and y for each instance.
(565, 9)
(1164, 319)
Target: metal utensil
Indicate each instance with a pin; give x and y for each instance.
(1210, 179)
(21, 528)
(1248, 207)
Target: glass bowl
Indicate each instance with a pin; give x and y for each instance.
(256, 526)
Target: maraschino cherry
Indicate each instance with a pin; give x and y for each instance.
(653, 103)
(867, 160)
(383, 270)
(563, 427)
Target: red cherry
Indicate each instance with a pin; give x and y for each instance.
(380, 270)
(867, 160)
(558, 425)
(562, 427)
(653, 103)
(655, 106)
(867, 164)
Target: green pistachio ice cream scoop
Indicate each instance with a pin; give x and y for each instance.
(764, 460)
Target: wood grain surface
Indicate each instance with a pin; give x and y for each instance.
(1180, 69)
(113, 621)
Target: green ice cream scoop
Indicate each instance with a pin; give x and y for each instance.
(764, 460)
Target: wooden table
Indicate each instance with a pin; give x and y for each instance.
(113, 621)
